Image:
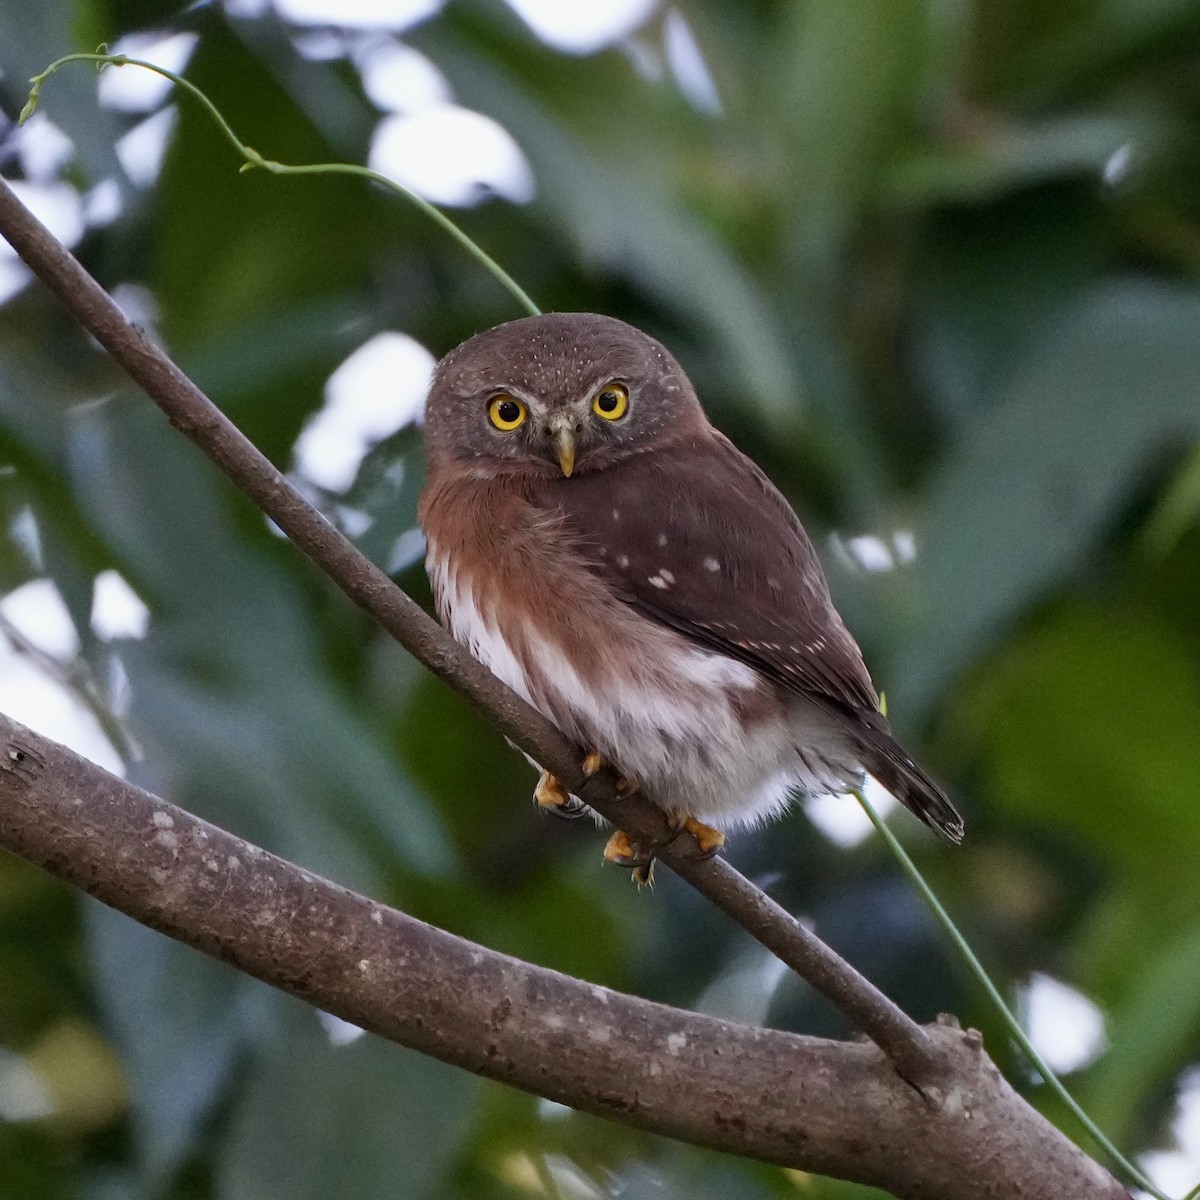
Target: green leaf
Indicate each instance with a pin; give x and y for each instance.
(1024, 496)
(1007, 157)
(228, 245)
(1152, 1027)
(1177, 511)
(181, 1021)
(1087, 726)
(229, 689)
(845, 81)
(319, 1120)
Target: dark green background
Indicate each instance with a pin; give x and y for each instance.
(900, 281)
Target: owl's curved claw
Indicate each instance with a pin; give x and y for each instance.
(550, 796)
(622, 851)
(643, 876)
(708, 839)
(571, 811)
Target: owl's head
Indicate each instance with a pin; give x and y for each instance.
(560, 393)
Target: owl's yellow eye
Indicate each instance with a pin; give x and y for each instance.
(506, 413)
(611, 402)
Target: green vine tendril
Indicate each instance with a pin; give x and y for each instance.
(255, 160)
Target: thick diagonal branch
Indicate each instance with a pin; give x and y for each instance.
(833, 1107)
(190, 411)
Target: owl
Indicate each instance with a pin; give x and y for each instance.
(616, 561)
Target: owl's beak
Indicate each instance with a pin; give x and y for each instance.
(566, 452)
(563, 426)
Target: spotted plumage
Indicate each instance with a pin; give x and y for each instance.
(616, 561)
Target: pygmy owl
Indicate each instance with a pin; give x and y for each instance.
(622, 566)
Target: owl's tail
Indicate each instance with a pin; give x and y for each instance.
(885, 758)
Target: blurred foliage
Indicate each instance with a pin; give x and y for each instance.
(936, 266)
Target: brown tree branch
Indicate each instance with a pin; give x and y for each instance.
(836, 1108)
(190, 411)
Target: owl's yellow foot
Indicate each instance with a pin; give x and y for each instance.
(593, 762)
(552, 797)
(623, 851)
(708, 839)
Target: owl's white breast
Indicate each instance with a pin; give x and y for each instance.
(461, 615)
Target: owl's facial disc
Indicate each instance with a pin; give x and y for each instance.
(563, 393)
(559, 432)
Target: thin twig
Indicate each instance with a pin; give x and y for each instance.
(189, 410)
(77, 678)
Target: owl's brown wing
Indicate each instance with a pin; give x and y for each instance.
(694, 535)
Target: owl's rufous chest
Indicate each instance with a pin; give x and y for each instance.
(514, 585)
(510, 583)
(489, 545)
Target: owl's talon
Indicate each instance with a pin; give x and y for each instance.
(708, 839)
(550, 796)
(569, 811)
(549, 793)
(622, 851)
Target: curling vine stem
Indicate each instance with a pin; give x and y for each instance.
(253, 159)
